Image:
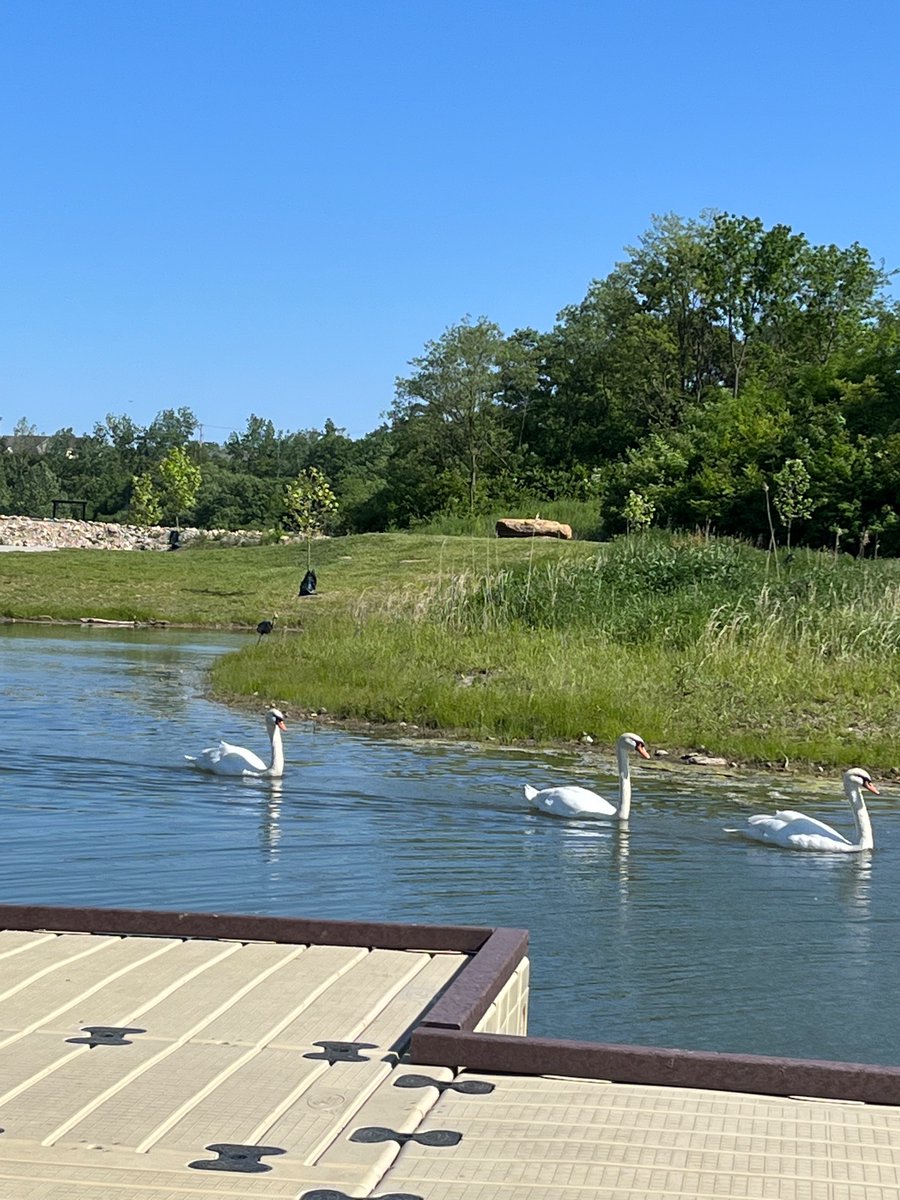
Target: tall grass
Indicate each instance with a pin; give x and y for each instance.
(630, 591)
(689, 641)
(675, 591)
(583, 516)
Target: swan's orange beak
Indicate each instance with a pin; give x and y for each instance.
(642, 750)
(870, 787)
(281, 725)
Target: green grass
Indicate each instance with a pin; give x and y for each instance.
(238, 586)
(688, 641)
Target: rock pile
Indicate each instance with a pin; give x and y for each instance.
(31, 533)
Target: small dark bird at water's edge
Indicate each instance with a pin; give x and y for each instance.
(265, 627)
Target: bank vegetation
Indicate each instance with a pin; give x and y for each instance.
(693, 641)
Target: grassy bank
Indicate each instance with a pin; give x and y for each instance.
(239, 586)
(690, 642)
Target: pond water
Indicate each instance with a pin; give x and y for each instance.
(671, 933)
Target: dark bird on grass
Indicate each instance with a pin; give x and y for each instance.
(265, 627)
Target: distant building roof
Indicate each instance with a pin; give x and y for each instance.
(30, 443)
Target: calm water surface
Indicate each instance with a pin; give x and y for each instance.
(671, 934)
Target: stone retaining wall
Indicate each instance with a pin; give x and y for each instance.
(30, 533)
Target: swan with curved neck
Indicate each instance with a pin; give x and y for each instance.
(226, 759)
(794, 831)
(575, 801)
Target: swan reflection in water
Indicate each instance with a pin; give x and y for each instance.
(832, 880)
(590, 857)
(856, 890)
(270, 817)
(621, 865)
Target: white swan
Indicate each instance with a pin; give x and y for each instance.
(794, 831)
(574, 801)
(226, 759)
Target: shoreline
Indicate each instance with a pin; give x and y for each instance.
(677, 759)
(822, 727)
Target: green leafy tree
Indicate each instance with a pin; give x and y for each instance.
(792, 501)
(89, 469)
(638, 512)
(309, 504)
(708, 471)
(230, 499)
(750, 276)
(126, 440)
(33, 486)
(362, 488)
(170, 429)
(30, 482)
(145, 507)
(448, 413)
(179, 483)
(596, 382)
(838, 295)
(258, 449)
(667, 276)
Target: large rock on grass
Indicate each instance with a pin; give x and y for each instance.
(532, 527)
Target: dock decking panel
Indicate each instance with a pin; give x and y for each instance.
(535, 1137)
(201, 1043)
(227, 1048)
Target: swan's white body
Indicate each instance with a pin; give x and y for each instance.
(574, 801)
(794, 831)
(226, 759)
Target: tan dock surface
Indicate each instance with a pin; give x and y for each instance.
(157, 1068)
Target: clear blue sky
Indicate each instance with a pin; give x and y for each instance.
(270, 206)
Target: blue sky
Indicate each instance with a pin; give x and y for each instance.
(270, 206)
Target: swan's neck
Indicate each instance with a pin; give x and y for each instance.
(864, 837)
(276, 765)
(624, 780)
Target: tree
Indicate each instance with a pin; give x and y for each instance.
(236, 500)
(839, 294)
(449, 406)
(257, 449)
(586, 390)
(361, 489)
(309, 503)
(125, 438)
(24, 430)
(751, 275)
(169, 430)
(30, 483)
(145, 506)
(179, 482)
(791, 497)
(667, 277)
(89, 469)
(638, 512)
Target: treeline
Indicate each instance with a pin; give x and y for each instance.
(724, 376)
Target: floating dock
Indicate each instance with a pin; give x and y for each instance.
(185, 1056)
